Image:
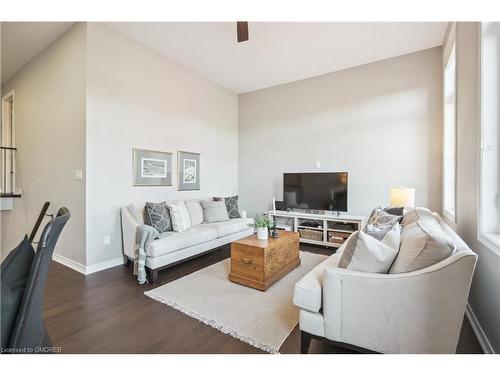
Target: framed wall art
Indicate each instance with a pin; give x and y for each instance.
(189, 170)
(152, 168)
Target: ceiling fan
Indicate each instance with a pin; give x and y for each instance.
(242, 31)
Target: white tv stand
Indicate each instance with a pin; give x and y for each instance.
(330, 223)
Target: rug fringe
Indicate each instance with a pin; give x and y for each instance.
(212, 323)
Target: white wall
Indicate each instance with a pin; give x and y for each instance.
(50, 136)
(138, 98)
(381, 122)
(485, 293)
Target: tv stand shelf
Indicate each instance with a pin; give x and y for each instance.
(334, 229)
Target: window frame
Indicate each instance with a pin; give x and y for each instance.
(490, 240)
(451, 216)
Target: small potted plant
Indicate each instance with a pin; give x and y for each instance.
(262, 224)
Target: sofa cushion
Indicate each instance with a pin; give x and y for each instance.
(225, 228)
(195, 212)
(307, 293)
(214, 211)
(158, 216)
(414, 214)
(173, 241)
(231, 206)
(180, 216)
(423, 243)
(365, 253)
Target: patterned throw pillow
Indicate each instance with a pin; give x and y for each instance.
(158, 216)
(380, 218)
(388, 234)
(398, 211)
(181, 220)
(231, 206)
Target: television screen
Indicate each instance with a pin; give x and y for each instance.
(315, 191)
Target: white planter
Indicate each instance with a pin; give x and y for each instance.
(262, 233)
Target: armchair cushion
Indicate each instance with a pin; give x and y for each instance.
(367, 254)
(423, 243)
(415, 214)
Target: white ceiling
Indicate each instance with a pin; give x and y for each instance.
(22, 41)
(280, 52)
(277, 52)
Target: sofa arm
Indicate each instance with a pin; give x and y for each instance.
(243, 214)
(129, 232)
(415, 312)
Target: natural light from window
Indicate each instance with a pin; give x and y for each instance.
(449, 146)
(489, 229)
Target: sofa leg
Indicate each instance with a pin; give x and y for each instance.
(153, 276)
(127, 262)
(305, 341)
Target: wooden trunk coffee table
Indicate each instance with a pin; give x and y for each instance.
(260, 263)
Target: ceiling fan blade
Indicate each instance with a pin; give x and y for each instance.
(242, 31)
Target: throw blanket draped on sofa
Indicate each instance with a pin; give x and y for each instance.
(145, 234)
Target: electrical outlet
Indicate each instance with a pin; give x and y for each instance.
(107, 240)
(78, 174)
(318, 164)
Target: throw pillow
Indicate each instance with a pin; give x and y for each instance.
(231, 206)
(423, 243)
(388, 234)
(415, 214)
(365, 253)
(181, 220)
(393, 237)
(379, 218)
(195, 211)
(398, 211)
(214, 211)
(377, 232)
(158, 216)
(15, 272)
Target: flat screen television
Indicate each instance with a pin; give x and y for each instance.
(315, 191)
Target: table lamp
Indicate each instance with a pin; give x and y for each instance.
(402, 197)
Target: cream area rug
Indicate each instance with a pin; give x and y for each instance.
(261, 319)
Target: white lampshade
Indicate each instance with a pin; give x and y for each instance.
(402, 197)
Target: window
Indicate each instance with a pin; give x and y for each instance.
(489, 208)
(449, 141)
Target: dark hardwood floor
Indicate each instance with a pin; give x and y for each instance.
(107, 312)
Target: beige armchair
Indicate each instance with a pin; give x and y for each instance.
(415, 312)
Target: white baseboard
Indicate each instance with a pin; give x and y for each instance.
(86, 270)
(104, 265)
(69, 263)
(481, 336)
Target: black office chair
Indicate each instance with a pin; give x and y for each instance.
(29, 330)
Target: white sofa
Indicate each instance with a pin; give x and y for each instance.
(413, 312)
(176, 247)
